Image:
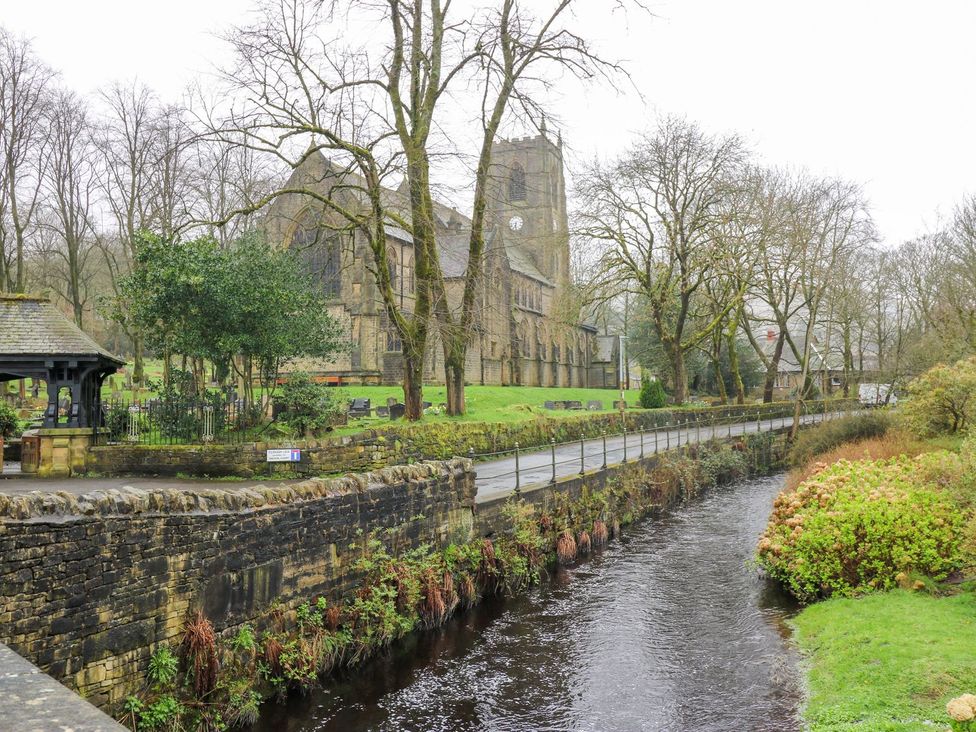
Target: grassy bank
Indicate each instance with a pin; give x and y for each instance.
(887, 661)
(877, 528)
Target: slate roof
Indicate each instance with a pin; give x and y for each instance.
(33, 326)
(453, 244)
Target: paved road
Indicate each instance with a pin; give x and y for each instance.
(494, 477)
(78, 486)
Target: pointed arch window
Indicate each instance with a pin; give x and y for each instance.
(409, 282)
(516, 183)
(391, 264)
(318, 248)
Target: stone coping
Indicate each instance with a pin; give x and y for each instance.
(129, 500)
(34, 702)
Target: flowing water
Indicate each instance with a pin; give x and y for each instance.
(668, 629)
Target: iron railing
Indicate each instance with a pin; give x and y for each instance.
(520, 468)
(213, 419)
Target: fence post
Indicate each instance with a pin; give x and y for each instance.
(582, 460)
(552, 449)
(698, 430)
(604, 448)
(518, 484)
(730, 426)
(759, 422)
(208, 424)
(642, 443)
(625, 443)
(667, 437)
(471, 454)
(655, 440)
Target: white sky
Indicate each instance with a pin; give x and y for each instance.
(877, 91)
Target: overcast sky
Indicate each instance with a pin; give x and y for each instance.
(880, 92)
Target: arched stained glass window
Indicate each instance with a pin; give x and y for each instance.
(318, 248)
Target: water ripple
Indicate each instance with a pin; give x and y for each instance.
(669, 629)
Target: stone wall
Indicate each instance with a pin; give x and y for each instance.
(90, 584)
(367, 451)
(401, 443)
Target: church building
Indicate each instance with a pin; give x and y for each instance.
(527, 331)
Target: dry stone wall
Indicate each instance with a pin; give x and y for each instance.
(91, 584)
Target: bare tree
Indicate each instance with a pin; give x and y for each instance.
(25, 84)
(513, 51)
(657, 210)
(70, 185)
(128, 151)
(827, 222)
(382, 116)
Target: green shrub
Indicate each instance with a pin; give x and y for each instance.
(652, 394)
(828, 435)
(855, 526)
(306, 406)
(942, 400)
(8, 420)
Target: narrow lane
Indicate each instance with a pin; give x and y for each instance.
(496, 478)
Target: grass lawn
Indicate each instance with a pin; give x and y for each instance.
(887, 661)
(493, 403)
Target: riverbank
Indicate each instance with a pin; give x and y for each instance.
(886, 661)
(877, 531)
(615, 643)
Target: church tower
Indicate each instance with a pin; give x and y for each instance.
(528, 200)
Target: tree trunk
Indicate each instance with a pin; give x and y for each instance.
(740, 388)
(413, 383)
(138, 361)
(723, 393)
(680, 374)
(773, 368)
(454, 378)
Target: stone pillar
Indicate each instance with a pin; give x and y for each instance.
(64, 451)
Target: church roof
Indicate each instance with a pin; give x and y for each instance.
(33, 326)
(521, 262)
(454, 237)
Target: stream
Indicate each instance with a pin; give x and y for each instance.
(670, 628)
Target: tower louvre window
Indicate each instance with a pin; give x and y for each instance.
(516, 184)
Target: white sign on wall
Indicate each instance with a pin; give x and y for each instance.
(284, 455)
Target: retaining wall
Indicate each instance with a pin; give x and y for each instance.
(90, 584)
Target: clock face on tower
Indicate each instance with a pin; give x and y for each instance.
(516, 223)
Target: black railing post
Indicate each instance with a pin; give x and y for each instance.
(698, 430)
(604, 448)
(625, 443)
(518, 484)
(552, 449)
(582, 456)
(642, 443)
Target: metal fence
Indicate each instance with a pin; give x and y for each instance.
(575, 457)
(209, 420)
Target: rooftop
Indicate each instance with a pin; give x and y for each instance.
(33, 326)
